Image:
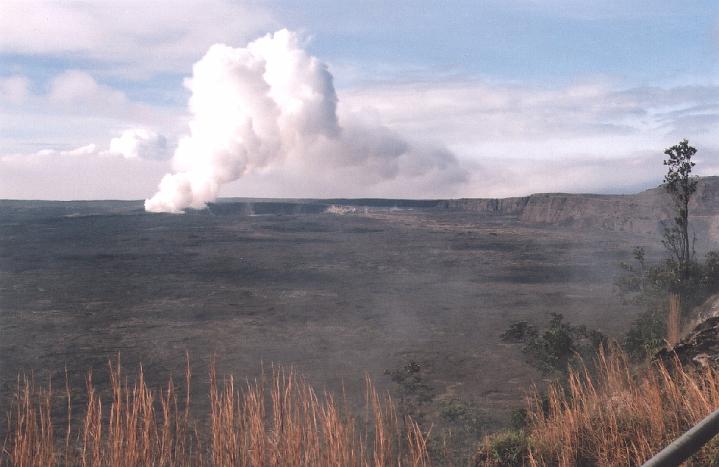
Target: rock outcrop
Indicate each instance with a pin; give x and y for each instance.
(700, 344)
(699, 348)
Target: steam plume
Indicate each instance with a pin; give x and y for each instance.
(139, 143)
(268, 104)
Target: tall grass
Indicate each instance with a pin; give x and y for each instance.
(673, 319)
(611, 415)
(276, 421)
(614, 415)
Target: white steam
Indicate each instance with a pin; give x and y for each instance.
(139, 143)
(272, 104)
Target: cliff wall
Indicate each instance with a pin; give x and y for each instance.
(641, 213)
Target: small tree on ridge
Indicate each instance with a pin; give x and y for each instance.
(680, 185)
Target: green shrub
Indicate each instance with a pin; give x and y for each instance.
(518, 418)
(519, 331)
(647, 334)
(506, 448)
(555, 346)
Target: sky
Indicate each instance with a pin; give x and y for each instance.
(180, 102)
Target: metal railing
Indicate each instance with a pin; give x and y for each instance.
(687, 444)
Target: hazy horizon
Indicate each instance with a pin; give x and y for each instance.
(326, 198)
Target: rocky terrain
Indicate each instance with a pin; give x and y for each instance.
(700, 347)
(334, 288)
(699, 344)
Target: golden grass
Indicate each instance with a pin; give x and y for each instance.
(615, 416)
(673, 319)
(277, 421)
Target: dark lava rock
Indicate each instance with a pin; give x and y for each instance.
(699, 348)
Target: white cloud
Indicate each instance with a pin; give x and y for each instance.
(75, 86)
(150, 35)
(14, 89)
(86, 150)
(479, 120)
(73, 108)
(81, 173)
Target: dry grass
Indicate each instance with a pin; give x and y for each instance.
(616, 416)
(277, 421)
(673, 319)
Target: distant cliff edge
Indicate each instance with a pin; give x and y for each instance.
(641, 213)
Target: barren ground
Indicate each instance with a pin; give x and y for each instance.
(332, 295)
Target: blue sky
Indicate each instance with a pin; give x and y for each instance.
(525, 95)
(544, 42)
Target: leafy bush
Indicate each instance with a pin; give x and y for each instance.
(555, 346)
(414, 394)
(519, 331)
(647, 334)
(506, 448)
(518, 418)
(462, 416)
(411, 383)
